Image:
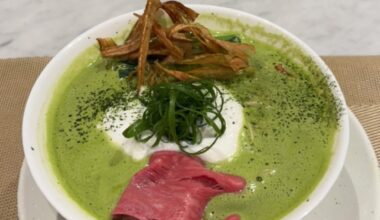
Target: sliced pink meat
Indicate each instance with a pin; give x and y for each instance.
(233, 217)
(174, 186)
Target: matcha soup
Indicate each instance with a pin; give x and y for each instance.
(285, 142)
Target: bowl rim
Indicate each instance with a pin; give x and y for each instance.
(320, 191)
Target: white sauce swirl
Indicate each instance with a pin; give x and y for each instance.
(117, 120)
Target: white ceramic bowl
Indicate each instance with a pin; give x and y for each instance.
(34, 116)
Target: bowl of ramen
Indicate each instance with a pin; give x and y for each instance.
(185, 112)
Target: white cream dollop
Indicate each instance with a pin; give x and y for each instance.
(116, 120)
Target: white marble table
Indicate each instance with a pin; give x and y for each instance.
(340, 27)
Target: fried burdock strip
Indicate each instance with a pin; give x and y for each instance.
(109, 48)
(147, 21)
(176, 52)
(156, 52)
(106, 43)
(200, 33)
(235, 63)
(213, 72)
(240, 50)
(136, 30)
(118, 51)
(180, 75)
(179, 13)
(210, 43)
(222, 59)
(183, 43)
(203, 72)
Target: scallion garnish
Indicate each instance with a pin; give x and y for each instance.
(177, 112)
(230, 38)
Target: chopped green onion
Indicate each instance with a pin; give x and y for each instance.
(177, 112)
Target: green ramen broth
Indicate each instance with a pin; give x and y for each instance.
(285, 144)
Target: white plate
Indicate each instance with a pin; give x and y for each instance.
(355, 195)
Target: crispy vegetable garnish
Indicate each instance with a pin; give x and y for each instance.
(225, 60)
(183, 50)
(179, 13)
(180, 75)
(175, 52)
(147, 21)
(106, 43)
